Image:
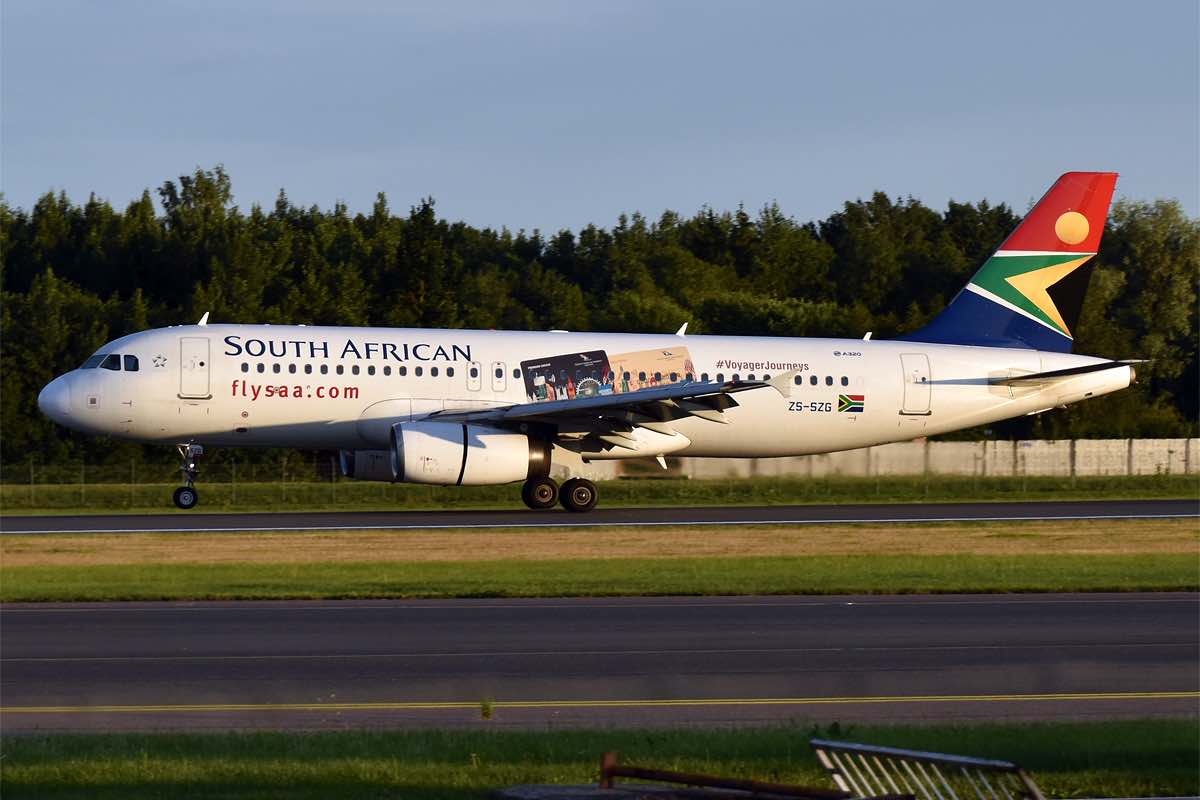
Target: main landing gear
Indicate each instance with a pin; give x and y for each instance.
(185, 496)
(577, 494)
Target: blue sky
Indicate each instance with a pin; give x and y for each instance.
(556, 114)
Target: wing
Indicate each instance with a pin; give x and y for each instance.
(612, 421)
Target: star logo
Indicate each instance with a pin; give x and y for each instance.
(160, 360)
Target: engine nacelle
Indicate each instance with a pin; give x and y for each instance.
(451, 453)
(366, 465)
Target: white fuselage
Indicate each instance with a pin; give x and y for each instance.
(342, 388)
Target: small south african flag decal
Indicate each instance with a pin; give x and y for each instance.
(851, 403)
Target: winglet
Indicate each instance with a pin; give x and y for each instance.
(203, 320)
(783, 382)
(682, 330)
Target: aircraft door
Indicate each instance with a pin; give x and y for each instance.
(917, 388)
(473, 376)
(194, 368)
(499, 380)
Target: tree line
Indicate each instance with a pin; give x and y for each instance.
(75, 276)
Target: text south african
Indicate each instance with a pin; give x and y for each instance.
(307, 348)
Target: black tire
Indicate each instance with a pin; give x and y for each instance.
(540, 493)
(186, 497)
(578, 495)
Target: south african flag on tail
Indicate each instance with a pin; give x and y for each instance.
(1030, 292)
(851, 403)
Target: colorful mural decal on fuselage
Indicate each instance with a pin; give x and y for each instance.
(594, 373)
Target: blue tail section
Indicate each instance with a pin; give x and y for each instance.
(971, 319)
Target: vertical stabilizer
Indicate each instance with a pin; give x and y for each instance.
(1030, 292)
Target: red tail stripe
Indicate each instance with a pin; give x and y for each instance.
(1088, 193)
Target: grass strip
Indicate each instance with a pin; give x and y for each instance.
(859, 574)
(1068, 759)
(345, 495)
(1044, 537)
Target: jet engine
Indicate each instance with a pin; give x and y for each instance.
(451, 453)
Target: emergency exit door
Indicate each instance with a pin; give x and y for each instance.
(917, 388)
(194, 368)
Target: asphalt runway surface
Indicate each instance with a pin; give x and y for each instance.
(184, 522)
(597, 662)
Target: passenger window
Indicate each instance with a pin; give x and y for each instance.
(131, 363)
(766, 377)
(324, 369)
(403, 371)
(92, 362)
(308, 369)
(674, 377)
(275, 368)
(474, 372)
(354, 369)
(111, 361)
(829, 380)
(291, 369)
(340, 369)
(626, 376)
(641, 376)
(797, 380)
(658, 377)
(516, 373)
(417, 372)
(262, 368)
(845, 381)
(449, 372)
(499, 372)
(750, 377)
(371, 370)
(387, 370)
(736, 378)
(704, 377)
(245, 367)
(720, 377)
(812, 379)
(433, 372)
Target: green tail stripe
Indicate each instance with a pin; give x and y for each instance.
(993, 276)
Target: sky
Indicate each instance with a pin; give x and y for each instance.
(551, 115)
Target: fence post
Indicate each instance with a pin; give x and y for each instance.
(82, 475)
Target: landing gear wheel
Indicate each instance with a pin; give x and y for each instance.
(540, 493)
(186, 497)
(578, 495)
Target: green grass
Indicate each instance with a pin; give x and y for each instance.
(16, 498)
(860, 574)
(1097, 759)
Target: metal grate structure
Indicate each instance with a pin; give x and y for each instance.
(868, 770)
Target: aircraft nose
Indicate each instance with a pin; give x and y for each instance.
(55, 399)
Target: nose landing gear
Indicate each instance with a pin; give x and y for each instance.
(186, 496)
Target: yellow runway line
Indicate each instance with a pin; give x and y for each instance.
(519, 704)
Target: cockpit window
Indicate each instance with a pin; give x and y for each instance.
(111, 361)
(131, 364)
(93, 362)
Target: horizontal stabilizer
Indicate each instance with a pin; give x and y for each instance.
(1043, 377)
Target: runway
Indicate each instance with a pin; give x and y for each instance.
(601, 662)
(184, 522)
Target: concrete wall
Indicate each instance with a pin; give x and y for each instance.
(1037, 457)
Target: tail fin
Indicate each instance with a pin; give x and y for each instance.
(1030, 292)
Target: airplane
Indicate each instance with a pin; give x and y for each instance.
(472, 407)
